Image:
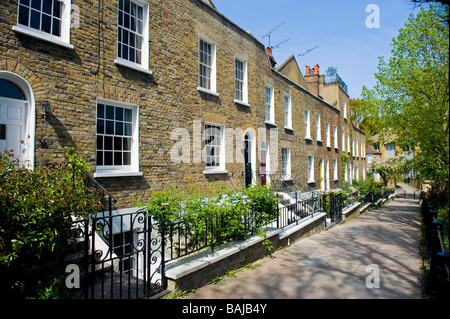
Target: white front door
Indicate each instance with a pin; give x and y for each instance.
(12, 127)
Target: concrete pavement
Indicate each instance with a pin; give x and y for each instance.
(378, 249)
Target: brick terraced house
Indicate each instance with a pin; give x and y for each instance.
(152, 93)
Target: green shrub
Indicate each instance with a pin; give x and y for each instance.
(36, 210)
(232, 215)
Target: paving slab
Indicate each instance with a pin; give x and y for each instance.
(333, 264)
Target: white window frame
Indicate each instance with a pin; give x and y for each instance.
(310, 166)
(353, 147)
(123, 170)
(318, 129)
(343, 141)
(244, 80)
(335, 136)
(328, 138)
(215, 169)
(287, 111)
(212, 67)
(143, 66)
(349, 147)
(335, 169)
(357, 148)
(345, 110)
(286, 163)
(63, 40)
(307, 124)
(269, 103)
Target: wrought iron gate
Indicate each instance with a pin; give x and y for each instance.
(336, 207)
(123, 257)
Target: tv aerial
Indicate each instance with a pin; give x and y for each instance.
(277, 46)
(270, 32)
(306, 52)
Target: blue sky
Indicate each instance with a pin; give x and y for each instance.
(337, 27)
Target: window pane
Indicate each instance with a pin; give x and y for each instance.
(119, 114)
(99, 158)
(108, 158)
(56, 27)
(100, 126)
(36, 4)
(108, 145)
(119, 128)
(127, 115)
(24, 15)
(117, 158)
(10, 90)
(110, 112)
(117, 143)
(35, 21)
(109, 127)
(100, 142)
(127, 144)
(46, 23)
(47, 6)
(57, 9)
(126, 158)
(128, 130)
(100, 111)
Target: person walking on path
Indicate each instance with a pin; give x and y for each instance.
(373, 256)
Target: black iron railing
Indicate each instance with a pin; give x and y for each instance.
(293, 213)
(439, 276)
(106, 198)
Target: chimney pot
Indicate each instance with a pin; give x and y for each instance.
(316, 69)
(308, 70)
(269, 51)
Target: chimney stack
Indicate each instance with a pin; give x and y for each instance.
(312, 78)
(271, 58)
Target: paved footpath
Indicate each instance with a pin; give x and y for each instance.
(339, 262)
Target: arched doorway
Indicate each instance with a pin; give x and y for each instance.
(249, 157)
(17, 118)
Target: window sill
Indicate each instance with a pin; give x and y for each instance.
(310, 140)
(241, 103)
(219, 171)
(270, 123)
(117, 174)
(311, 182)
(203, 90)
(289, 128)
(132, 65)
(41, 36)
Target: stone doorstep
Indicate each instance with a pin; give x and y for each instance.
(182, 273)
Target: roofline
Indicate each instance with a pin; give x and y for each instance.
(215, 11)
(306, 91)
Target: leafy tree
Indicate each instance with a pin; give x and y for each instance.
(411, 97)
(367, 122)
(390, 168)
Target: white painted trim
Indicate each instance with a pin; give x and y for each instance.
(30, 125)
